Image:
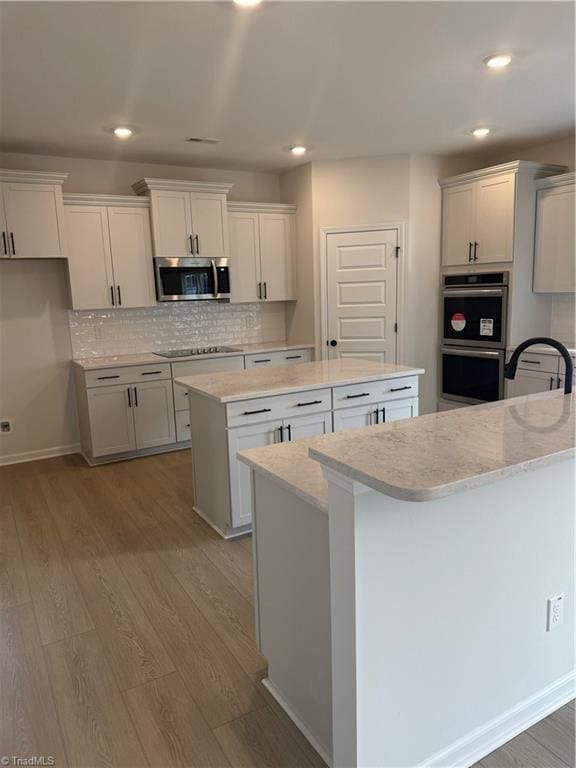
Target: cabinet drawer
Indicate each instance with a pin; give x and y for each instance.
(181, 398)
(213, 365)
(264, 409)
(130, 374)
(537, 362)
(182, 426)
(357, 394)
(261, 360)
(398, 389)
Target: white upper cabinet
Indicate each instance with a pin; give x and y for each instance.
(554, 256)
(110, 252)
(31, 215)
(486, 214)
(262, 251)
(188, 218)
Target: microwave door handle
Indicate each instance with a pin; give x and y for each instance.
(215, 278)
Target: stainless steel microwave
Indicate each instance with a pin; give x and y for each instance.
(192, 278)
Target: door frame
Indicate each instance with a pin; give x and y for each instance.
(402, 228)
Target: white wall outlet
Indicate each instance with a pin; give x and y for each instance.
(5, 426)
(555, 612)
(250, 321)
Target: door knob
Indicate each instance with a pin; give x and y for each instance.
(333, 343)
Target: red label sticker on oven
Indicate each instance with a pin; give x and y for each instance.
(486, 326)
(458, 321)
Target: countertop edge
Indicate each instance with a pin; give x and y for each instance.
(438, 492)
(296, 490)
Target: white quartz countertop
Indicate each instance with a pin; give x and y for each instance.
(430, 456)
(276, 380)
(145, 358)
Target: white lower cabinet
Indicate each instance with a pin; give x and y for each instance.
(182, 424)
(531, 382)
(351, 418)
(307, 426)
(111, 421)
(375, 413)
(153, 409)
(399, 409)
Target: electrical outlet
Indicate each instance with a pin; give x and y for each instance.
(555, 612)
(250, 321)
(5, 426)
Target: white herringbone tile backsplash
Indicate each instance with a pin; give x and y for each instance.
(177, 325)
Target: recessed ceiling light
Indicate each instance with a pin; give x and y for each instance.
(122, 132)
(247, 3)
(480, 133)
(498, 60)
(299, 149)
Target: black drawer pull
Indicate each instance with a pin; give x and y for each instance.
(116, 376)
(362, 394)
(532, 362)
(399, 389)
(187, 425)
(267, 360)
(293, 357)
(312, 402)
(253, 413)
(149, 373)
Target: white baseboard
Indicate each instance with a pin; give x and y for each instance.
(229, 533)
(273, 691)
(44, 453)
(493, 734)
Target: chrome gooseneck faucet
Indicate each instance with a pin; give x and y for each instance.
(510, 367)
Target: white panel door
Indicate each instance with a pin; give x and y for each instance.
(153, 408)
(457, 224)
(241, 439)
(352, 418)
(307, 426)
(132, 256)
(245, 256)
(554, 264)
(171, 223)
(111, 420)
(89, 257)
(34, 219)
(276, 256)
(361, 279)
(396, 410)
(209, 224)
(494, 221)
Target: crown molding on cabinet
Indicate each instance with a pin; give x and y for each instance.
(118, 201)
(144, 186)
(517, 166)
(32, 177)
(241, 207)
(561, 180)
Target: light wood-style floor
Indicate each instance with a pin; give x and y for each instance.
(126, 630)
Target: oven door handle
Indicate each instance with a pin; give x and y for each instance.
(471, 292)
(472, 352)
(215, 278)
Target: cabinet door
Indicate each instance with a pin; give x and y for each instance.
(241, 439)
(554, 261)
(89, 257)
(457, 224)
(276, 255)
(308, 426)
(209, 224)
(351, 418)
(494, 220)
(111, 420)
(154, 414)
(244, 256)
(132, 256)
(396, 410)
(171, 223)
(34, 219)
(530, 383)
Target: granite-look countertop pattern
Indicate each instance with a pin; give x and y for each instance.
(146, 358)
(277, 380)
(439, 454)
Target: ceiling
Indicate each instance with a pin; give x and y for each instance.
(349, 78)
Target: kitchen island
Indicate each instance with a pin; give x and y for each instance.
(234, 411)
(408, 579)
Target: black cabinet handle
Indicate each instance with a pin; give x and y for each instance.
(119, 296)
(266, 360)
(551, 382)
(259, 290)
(289, 428)
(470, 251)
(13, 244)
(532, 362)
(312, 402)
(197, 241)
(558, 382)
(293, 357)
(129, 398)
(281, 430)
(377, 414)
(383, 415)
(187, 425)
(101, 378)
(475, 251)
(5, 243)
(265, 289)
(151, 373)
(353, 397)
(136, 397)
(191, 244)
(112, 296)
(399, 389)
(253, 413)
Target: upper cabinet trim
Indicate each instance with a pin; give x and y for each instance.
(123, 201)
(517, 166)
(241, 207)
(562, 180)
(144, 186)
(32, 177)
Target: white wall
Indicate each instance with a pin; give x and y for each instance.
(559, 152)
(35, 377)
